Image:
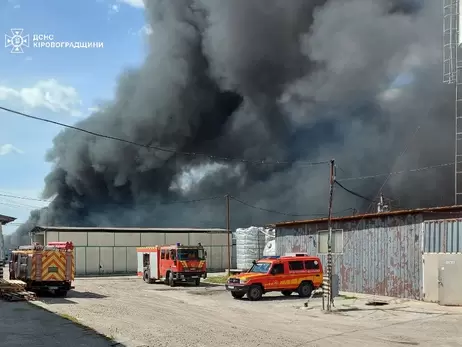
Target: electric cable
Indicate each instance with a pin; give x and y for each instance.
(352, 192)
(162, 149)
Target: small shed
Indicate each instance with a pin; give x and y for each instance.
(378, 253)
(101, 251)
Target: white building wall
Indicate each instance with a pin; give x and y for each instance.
(98, 253)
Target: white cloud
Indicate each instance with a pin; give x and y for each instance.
(48, 94)
(15, 3)
(9, 149)
(134, 3)
(145, 30)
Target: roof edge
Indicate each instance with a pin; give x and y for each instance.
(40, 228)
(453, 208)
(6, 219)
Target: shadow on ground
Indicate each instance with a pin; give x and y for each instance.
(49, 298)
(25, 324)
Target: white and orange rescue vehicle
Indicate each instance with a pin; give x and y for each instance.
(172, 264)
(44, 268)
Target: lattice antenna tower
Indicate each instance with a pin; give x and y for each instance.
(452, 74)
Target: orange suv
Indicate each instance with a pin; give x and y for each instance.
(299, 273)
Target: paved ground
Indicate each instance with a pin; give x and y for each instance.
(139, 314)
(23, 324)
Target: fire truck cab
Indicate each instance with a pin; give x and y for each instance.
(172, 264)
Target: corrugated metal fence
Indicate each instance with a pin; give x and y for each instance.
(380, 256)
(443, 236)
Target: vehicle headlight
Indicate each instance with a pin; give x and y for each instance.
(243, 280)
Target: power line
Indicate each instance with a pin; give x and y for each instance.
(272, 211)
(168, 150)
(389, 175)
(285, 213)
(396, 172)
(23, 197)
(20, 205)
(352, 192)
(172, 202)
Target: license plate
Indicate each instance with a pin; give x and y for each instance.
(230, 287)
(52, 288)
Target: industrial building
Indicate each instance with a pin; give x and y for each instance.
(100, 251)
(396, 253)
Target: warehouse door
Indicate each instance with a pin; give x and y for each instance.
(450, 280)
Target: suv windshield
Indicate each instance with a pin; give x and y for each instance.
(191, 254)
(260, 267)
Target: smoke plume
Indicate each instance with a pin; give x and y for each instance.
(293, 81)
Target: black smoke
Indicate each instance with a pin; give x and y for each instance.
(279, 80)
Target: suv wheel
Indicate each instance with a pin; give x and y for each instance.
(286, 292)
(305, 289)
(255, 293)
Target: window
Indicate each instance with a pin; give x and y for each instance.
(167, 256)
(162, 254)
(295, 265)
(260, 268)
(311, 265)
(278, 269)
(337, 241)
(191, 254)
(145, 259)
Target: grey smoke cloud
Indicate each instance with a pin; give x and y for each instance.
(278, 80)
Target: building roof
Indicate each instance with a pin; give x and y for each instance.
(127, 230)
(455, 208)
(6, 219)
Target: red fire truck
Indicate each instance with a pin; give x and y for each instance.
(172, 264)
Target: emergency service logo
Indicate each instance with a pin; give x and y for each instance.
(16, 41)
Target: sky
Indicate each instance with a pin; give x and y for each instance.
(61, 84)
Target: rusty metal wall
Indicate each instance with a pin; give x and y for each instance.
(443, 236)
(381, 256)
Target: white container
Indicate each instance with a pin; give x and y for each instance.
(250, 243)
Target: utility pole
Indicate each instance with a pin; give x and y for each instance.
(228, 230)
(330, 299)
